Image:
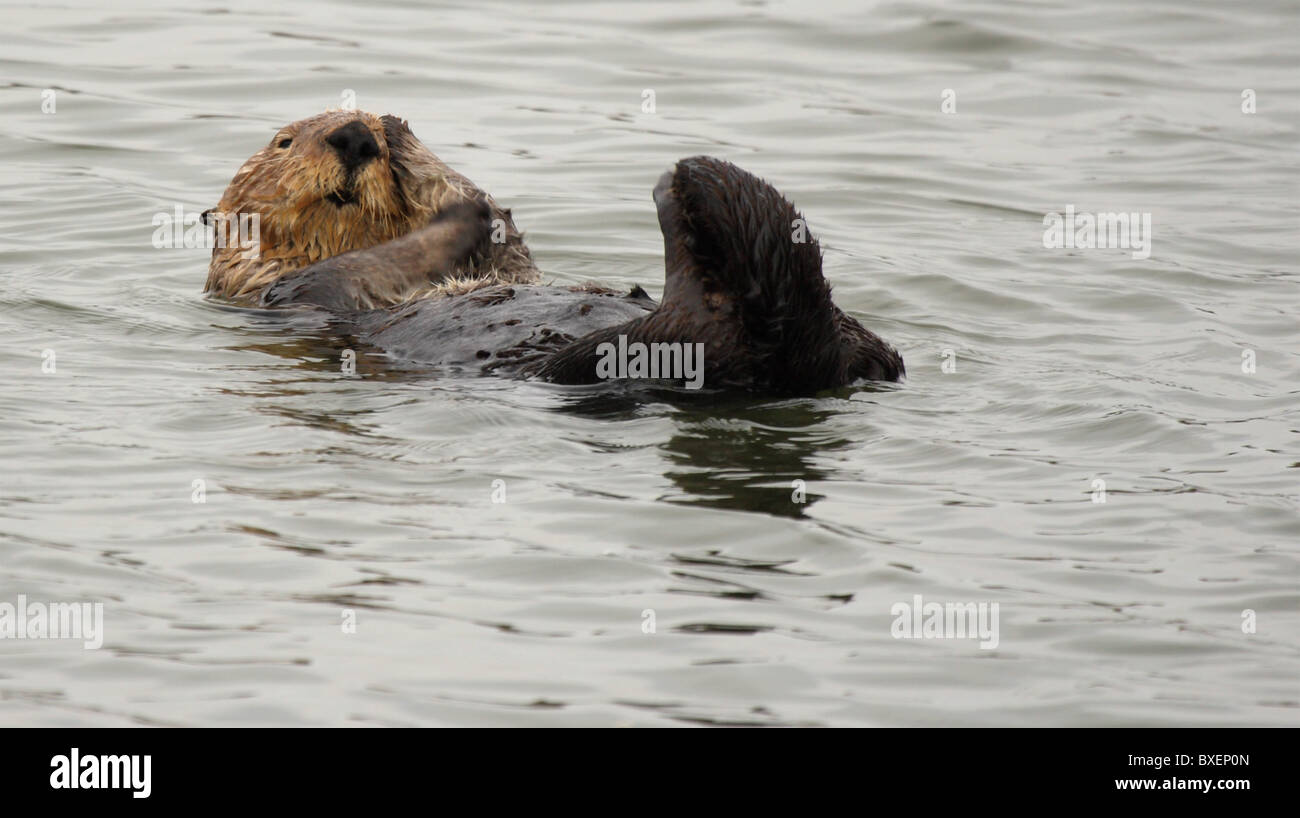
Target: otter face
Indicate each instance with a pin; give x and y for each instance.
(322, 186)
(338, 158)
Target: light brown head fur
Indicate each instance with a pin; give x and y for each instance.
(311, 207)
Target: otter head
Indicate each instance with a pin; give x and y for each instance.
(322, 186)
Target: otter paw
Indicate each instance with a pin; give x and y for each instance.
(472, 223)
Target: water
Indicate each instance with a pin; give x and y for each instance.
(373, 494)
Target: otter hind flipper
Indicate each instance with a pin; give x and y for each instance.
(743, 277)
(739, 242)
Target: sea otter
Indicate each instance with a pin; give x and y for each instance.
(411, 258)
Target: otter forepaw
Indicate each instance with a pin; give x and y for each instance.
(467, 226)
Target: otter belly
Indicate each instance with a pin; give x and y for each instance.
(497, 329)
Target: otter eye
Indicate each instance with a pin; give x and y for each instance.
(284, 143)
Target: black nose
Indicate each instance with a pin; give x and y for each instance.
(354, 144)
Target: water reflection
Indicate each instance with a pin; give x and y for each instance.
(731, 451)
(762, 457)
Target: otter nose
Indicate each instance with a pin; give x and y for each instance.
(354, 144)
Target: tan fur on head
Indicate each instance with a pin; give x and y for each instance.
(291, 184)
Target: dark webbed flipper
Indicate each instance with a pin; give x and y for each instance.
(389, 272)
(744, 278)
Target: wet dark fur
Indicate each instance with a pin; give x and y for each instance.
(506, 328)
(735, 281)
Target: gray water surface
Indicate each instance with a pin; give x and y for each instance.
(325, 494)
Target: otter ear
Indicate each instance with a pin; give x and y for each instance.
(395, 128)
(398, 136)
(206, 216)
(413, 165)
